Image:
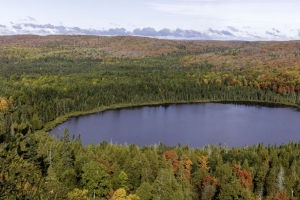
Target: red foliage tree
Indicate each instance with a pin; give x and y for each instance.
(208, 180)
(209, 186)
(172, 157)
(245, 179)
(280, 90)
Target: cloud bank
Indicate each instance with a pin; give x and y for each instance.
(230, 33)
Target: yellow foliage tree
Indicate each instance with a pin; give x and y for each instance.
(133, 197)
(203, 162)
(78, 194)
(3, 104)
(6, 103)
(120, 194)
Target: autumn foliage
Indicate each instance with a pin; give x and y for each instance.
(187, 166)
(279, 196)
(45, 80)
(203, 162)
(208, 180)
(3, 104)
(244, 177)
(172, 157)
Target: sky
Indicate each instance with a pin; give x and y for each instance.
(171, 19)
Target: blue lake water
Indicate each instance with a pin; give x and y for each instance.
(195, 125)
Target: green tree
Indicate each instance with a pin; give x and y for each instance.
(270, 182)
(145, 191)
(66, 157)
(123, 180)
(36, 122)
(229, 185)
(166, 187)
(138, 170)
(96, 179)
(69, 179)
(259, 179)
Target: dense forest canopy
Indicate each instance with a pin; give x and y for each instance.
(45, 80)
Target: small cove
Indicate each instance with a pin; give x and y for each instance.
(195, 125)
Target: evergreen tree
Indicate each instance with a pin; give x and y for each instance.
(145, 191)
(166, 187)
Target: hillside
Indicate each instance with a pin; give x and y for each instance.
(223, 55)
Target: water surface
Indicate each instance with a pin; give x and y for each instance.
(195, 125)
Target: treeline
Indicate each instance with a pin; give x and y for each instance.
(41, 98)
(40, 167)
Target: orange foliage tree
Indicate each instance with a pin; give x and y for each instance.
(187, 166)
(172, 157)
(279, 196)
(244, 177)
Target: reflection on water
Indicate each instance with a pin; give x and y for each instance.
(193, 124)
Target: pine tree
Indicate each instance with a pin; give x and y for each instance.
(145, 191)
(165, 186)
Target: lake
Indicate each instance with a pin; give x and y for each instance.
(195, 125)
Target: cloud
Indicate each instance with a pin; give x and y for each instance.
(145, 32)
(39, 26)
(270, 33)
(273, 33)
(274, 29)
(165, 32)
(17, 27)
(223, 32)
(116, 31)
(47, 29)
(226, 33)
(178, 33)
(233, 29)
(255, 37)
(210, 34)
(190, 34)
(31, 18)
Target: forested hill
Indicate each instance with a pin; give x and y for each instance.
(46, 79)
(138, 47)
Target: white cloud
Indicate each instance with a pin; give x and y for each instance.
(258, 14)
(230, 33)
(257, 17)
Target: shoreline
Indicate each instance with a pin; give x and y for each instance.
(59, 120)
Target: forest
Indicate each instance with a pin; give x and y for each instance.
(44, 80)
